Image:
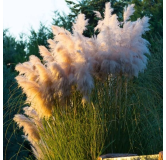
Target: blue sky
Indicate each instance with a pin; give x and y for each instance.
(20, 15)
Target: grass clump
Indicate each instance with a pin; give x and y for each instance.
(86, 99)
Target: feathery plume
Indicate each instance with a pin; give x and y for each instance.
(44, 75)
(23, 69)
(145, 24)
(33, 116)
(35, 96)
(29, 111)
(26, 69)
(33, 59)
(103, 23)
(28, 127)
(80, 24)
(47, 56)
(128, 11)
(38, 153)
(56, 30)
(107, 13)
(52, 44)
(97, 14)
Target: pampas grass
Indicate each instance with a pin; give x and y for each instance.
(116, 51)
(83, 95)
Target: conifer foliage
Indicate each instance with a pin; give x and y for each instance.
(76, 60)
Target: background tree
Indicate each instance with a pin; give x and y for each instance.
(13, 50)
(152, 9)
(37, 38)
(13, 53)
(88, 7)
(62, 20)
